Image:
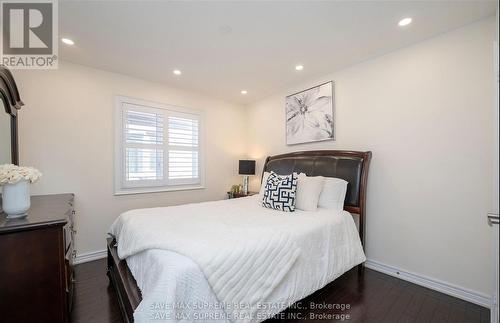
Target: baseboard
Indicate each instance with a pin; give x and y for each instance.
(90, 256)
(431, 283)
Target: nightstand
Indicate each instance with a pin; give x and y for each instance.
(236, 195)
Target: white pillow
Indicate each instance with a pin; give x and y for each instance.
(263, 184)
(333, 194)
(308, 191)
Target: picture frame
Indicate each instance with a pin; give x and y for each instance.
(310, 115)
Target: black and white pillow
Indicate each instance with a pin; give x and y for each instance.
(279, 193)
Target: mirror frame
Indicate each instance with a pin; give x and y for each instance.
(11, 100)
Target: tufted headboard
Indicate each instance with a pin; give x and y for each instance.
(351, 166)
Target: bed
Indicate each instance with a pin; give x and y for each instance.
(301, 253)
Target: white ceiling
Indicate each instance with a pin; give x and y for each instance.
(224, 47)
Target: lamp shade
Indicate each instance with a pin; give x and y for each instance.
(247, 167)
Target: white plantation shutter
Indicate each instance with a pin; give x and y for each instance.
(183, 149)
(158, 148)
(143, 142)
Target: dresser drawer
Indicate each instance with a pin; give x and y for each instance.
(36, 257)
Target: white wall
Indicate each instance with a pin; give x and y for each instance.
(496, 133)
(425, 112)
(66, 130)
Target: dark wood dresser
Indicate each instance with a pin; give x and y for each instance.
(36, 262)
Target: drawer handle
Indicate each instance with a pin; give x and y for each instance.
(493, 219)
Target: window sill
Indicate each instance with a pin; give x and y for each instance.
(147, 190)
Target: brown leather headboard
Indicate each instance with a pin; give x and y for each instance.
(351, 166)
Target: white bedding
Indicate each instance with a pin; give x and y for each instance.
(175, 288)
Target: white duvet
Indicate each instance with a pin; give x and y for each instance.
(232, 260)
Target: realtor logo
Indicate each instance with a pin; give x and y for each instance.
(29, 34)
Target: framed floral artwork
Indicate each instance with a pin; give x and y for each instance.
(309, 115)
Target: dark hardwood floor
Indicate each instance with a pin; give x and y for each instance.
(371, 297)
(94, 300)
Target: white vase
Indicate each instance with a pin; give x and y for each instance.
(16, 199)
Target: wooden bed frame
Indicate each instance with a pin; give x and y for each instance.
(351, 166)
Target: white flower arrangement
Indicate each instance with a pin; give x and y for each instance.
(11, 174)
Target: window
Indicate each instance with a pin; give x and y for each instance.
(157, 147)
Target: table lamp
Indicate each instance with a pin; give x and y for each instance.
(246, 167)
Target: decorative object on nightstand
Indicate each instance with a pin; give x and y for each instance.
(15, 182)
(236, 188)
(235, 191)
(246, 167)
(239, 194)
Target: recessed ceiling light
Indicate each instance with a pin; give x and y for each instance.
(177, 72)
(244, 92)
(299, 67)
(67, 41)
(405, 21)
